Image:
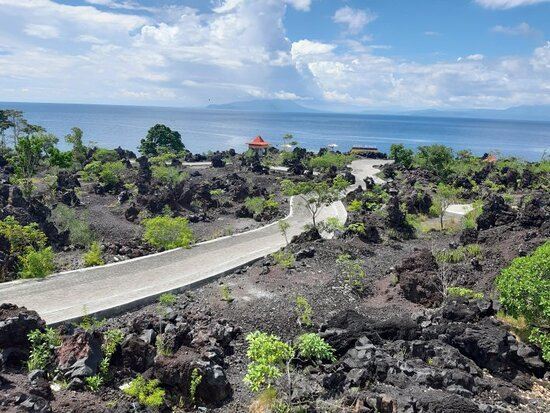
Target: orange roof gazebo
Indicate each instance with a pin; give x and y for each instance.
(258, 143)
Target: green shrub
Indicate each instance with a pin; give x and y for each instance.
(147, 392)
(168, 233)
(524, 289)
(454, 256)
(329, 159)
(93, 258)
(524, 286)
(37, 264)
(470, 219)
(354, 276)
(304, 310)
(464, 292)
(257, 205)
(66, 218)
(60, 159)
(94, 383)
(330, 225)
(355, 206)
(168, 175)
(111, 173)
(285, 259)
(20, 237)
(311, 346)
(41, 348)
(541, 339)
(105, 155)
(225, 292)
(357, 228)
(267, 353)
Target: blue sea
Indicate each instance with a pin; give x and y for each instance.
(203, 130)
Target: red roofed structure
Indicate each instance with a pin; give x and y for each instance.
(258, 144)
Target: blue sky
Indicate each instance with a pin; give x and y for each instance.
(338, 54)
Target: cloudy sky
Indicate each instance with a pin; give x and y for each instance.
(390, 54)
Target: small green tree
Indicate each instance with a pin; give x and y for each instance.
(283, 227)
(401, 155)
(160, 139)
(168, 233)
(315, 194)
(28, 153)
(79, 149)
(445, 195)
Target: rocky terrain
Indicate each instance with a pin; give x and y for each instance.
(401, 343)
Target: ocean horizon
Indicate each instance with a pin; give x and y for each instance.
(213, 129)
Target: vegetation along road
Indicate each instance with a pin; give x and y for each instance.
(113, 288)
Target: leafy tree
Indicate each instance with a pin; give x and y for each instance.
(524, 289)
(160, 139)
(5, 124)
(401, 155)
(79, 149)
(14, 119)
(168, 233)
(28, 153)
(444, 196)
(435, 158)
(315, 194)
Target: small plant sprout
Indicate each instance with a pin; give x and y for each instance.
(304, 311)
(354, 276)
(196, 379)
(165, 302)
(225, 292)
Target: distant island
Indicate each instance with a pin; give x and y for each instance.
(268, 105)
(528, 113)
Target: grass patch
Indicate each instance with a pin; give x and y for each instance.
(454, 256)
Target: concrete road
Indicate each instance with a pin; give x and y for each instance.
(363, 168)
(114, 288)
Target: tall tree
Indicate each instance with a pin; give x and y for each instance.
(161, 139)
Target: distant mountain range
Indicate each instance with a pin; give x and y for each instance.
(530, 113)
(265, 106)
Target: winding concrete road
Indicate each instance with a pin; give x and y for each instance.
(114, 288)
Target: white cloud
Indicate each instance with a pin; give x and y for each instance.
(430, 33)
(355, 19)
(507, 4)
(42, 31)
(306, 47)
(522, 29)
(473, 57)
